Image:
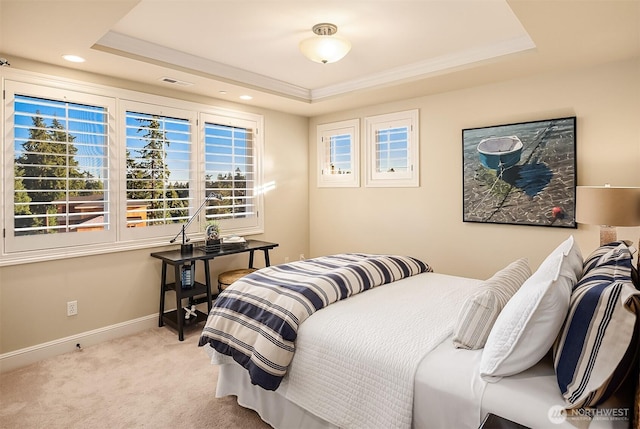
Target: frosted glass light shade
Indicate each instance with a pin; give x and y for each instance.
(325, 49)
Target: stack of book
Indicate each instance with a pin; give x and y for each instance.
(226, 243)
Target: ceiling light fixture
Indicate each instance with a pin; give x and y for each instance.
(325, 47)
(246, 97)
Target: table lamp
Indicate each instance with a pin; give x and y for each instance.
(609, 207)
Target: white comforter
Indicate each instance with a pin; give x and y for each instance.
(344, 371)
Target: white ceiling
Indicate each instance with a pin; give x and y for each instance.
(400, 49)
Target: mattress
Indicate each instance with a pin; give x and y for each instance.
(450, 393)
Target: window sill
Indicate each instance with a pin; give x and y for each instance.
(81, 251)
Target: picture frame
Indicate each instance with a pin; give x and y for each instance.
(521, 174)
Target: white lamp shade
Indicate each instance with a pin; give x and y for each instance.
(325, 49)
(611, 206)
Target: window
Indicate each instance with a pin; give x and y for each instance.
(392, 150)
(159, 159)
(338, 149)
(58, 183)
(232, 149)
(80, 179)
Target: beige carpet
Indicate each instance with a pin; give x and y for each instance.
(145, 380)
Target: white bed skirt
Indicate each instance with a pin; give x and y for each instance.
(272, 406)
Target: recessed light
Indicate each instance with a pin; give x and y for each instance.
(223, 92)
(74, 58)
(246, 97)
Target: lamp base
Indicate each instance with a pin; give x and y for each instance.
(186, 249)
(607, 234)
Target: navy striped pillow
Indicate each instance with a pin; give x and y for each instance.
(593, 260)
(602, 251)
(597, 345)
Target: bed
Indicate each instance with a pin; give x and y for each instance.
(389, 356)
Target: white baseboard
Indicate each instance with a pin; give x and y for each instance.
(29, 355)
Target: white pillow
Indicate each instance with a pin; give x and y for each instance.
(529, 323)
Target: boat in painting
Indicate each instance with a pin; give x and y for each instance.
(499, 153)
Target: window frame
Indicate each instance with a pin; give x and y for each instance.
(156, 231)
(408, 119)
(118, 237)
(238, 226)
(15, 245)
(324, 133)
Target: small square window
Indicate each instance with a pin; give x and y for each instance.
(392, 150)
(338, 154)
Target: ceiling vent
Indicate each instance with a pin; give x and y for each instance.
(173, 81)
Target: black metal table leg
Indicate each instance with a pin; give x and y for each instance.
(179, 315)
(207, 282)
(266, 257)
(251, 259)
(163, 282)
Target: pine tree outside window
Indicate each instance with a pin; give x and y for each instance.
(153, 142)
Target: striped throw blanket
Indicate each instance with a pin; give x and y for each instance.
(256, 319)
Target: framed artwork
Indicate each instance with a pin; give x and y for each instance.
(521, 174)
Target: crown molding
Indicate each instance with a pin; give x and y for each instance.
(426, 68)
(141, 50)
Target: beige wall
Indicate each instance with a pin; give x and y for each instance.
(120, 287)
(426, 222)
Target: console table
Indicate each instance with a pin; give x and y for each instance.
(180, 262)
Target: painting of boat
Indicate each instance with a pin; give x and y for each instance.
(499, 153)
(520, 174)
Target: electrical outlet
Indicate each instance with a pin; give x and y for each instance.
(72, 308)
(302, 256)
(286, 259)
